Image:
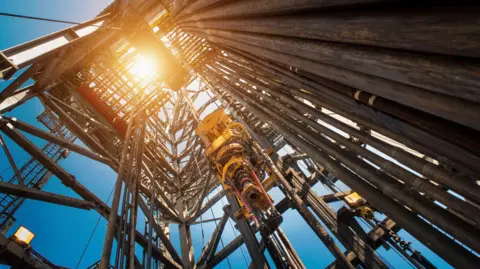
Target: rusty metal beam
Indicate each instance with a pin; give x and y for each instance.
(44, 196)
(59, 141)
(166, 242)
(211, 247)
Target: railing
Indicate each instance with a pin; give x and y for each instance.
(33, 173)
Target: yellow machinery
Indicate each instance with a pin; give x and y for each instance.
(355, 201)
(238, 166)
(357, 207)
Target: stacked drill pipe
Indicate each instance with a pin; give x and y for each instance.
(359, 176)
(426, 70)
(288, 69)
(465, 187)
(376, 119)
(462, 142)
(437, 210)
(436, 174)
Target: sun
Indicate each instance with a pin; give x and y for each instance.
(144, 67)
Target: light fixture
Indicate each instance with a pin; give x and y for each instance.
(23, 236)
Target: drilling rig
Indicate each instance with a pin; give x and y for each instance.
(239, 167)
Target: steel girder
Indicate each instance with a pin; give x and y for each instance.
(285, 85)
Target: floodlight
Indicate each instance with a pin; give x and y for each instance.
(23, 236)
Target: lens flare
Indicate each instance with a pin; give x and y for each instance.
(144, 68)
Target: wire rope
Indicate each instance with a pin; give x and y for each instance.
(93, 232)
(211, 210)
(235, 234)
(203, 233)
(37, 18)
(221, 240)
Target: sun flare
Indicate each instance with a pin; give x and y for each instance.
(144, 68)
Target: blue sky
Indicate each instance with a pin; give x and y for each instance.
(62, 232)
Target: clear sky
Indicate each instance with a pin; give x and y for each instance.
(62, 232)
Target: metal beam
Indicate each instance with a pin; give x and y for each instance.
(17, 83)
(81, 114)
(157, 253)
(76, 128)
(19, 97)
(207, 206)
(166, 242)
(186, 244)
(40, 48)
(350, 236)
(334, 197)
(66, 178)
(165, 209)
(253, 247)
(112, 218)
(71, 182)
(32, 193)
(59, 141)
(211, 247)
(281, 207)
(10, 159)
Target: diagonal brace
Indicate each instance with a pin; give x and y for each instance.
(212, 244)
(51, 165)
(35, 194)
(72, 183)
(166, 242)
(59, 141)
(75, 127)
(11, 160)
(205, 207)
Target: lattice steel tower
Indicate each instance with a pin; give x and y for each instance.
(376, 102)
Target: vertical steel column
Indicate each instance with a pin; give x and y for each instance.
(112, 218)
(135, 182)
(277, 256)
(211, 247)
(282, 238)
(151, 218)
(258, 259)
(186, 245)
(304, 212)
